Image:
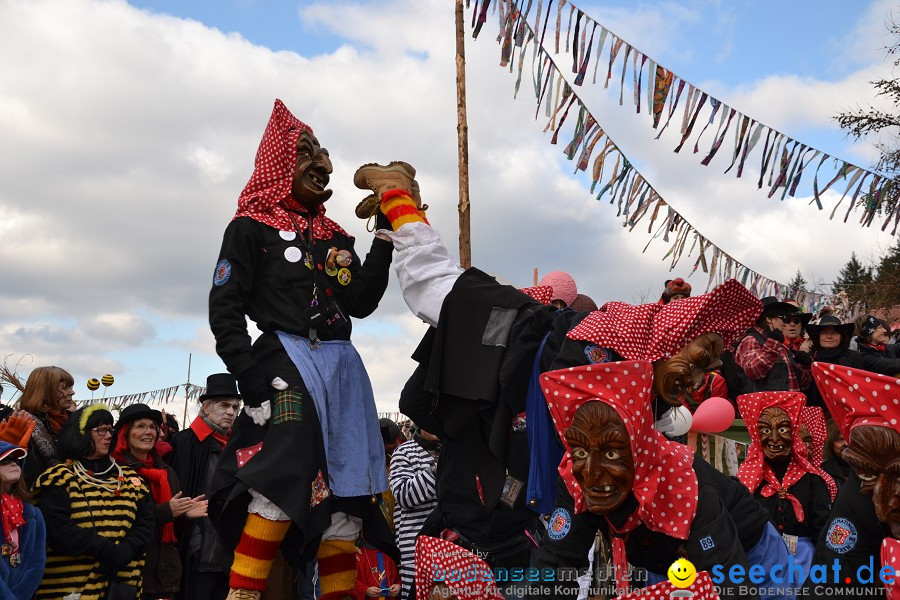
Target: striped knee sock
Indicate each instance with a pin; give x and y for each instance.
(399, 208)
(254, 554)
(337, 568)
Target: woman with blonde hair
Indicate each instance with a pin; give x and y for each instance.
(47, 399)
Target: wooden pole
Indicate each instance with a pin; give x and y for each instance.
(184, 418)
(535, 276)
(462, 129)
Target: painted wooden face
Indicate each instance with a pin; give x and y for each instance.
(601, 456)
(685, 372)
(776, 435)
(874, 453)
(312, 173)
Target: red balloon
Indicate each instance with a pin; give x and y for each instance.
(714, 415)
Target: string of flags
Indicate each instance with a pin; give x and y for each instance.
(666, 96)
(594, 152)
(160, 396)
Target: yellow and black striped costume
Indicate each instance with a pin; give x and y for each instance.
(74, 566)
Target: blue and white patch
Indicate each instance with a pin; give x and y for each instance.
(842, 536)
(560, 524)
(707, 543)
(595, 354)
(223, 272)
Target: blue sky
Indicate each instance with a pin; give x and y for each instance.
(133, 128)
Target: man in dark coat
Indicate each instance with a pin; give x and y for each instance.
(196, 452)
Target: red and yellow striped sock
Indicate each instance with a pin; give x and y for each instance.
(255, 552)
(399, 208)
(337, 568)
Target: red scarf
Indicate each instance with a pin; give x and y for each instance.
(158, 478)
(13, 515)
(755, 470)
(793, 344)
(269, 187)
(202, 430)
(57, 419)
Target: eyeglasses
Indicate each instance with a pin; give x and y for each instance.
(144, 427)
(791, 319)
(103, 430)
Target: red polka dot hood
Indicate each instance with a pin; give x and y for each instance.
(655, 331)
(269, 187)
(755, 470)
(856, 397)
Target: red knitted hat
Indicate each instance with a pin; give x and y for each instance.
(676, 286)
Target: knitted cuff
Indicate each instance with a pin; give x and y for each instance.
(337, 568)
(255, 552)
(400, 209)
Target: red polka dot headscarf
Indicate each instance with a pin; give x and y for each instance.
(890, 556)
(665, 485)
(856, 397)
(654, 331)
(273, 174)
(814, 419)
(465, 574)
(754, 470)
(541, 293)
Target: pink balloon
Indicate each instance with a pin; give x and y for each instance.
(714, 415)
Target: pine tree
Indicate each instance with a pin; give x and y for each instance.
(886, 286)
(798, 284)
(854, 280)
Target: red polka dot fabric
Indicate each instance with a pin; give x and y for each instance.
(856, 397)
(541, 293)
(890, 556)
(702, 589)
(245, 454)
(814, 419)
(465, 574)
(665, 485)
(654, 331)
(12, 510)
(754, 470)
(273, 175)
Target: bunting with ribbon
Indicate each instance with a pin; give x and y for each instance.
(665, 97)
(597, 155)
(160, 396)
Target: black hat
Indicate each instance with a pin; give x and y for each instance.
(845, 329)
(870, 324)
(772, 307)
(220, 385)
(133, 412)
(390, 431)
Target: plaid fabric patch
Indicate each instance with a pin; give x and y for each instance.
(288, 407)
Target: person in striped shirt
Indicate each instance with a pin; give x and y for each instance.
(413, 484)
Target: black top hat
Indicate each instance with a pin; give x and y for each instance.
(845, 329)
(773, 307)
(390, 431)
(220, 385)
(133, 412)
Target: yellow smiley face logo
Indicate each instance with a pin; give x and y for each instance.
(682, 573)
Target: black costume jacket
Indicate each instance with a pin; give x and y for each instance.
(811, 491)
(263, 274)
(719, 535)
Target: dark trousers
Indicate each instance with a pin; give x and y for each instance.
(213, 586)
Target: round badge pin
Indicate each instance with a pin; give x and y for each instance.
(136, 481)
(344, 258)
(343, 276)
(15, 560)
(332, 270)
(293, 254)
(288, 236)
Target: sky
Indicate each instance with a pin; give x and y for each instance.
(130, 128)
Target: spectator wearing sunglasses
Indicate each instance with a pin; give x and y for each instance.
(24, 535)
(769, 365)
(795, 327)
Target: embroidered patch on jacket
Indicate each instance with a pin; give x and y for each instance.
(707, 543)
(288, 407)
(560, 524)
(319, 490)
(595, 354)
(841, 536)
(245, 454)
(223, 272)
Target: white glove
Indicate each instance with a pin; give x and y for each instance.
(261, 414)
(675, 422)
